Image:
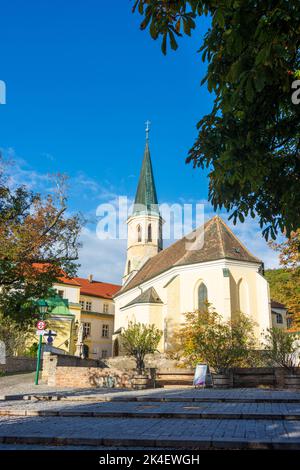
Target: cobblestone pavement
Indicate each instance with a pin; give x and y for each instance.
(121, 408)
(149, 431)
(23, 384)
(187, 422)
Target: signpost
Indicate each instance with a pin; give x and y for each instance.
(40, 326)
(49, 335)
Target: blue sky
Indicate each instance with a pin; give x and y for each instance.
(81, 81)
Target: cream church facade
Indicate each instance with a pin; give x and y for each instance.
(210, 265)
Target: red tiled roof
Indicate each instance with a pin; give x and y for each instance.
(72, 281)
(97, 288)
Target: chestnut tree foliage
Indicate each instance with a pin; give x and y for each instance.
(38, 241)
(250, 139)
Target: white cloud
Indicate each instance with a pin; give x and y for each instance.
(105, 259)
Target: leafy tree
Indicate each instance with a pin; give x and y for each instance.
(207, 338)
(250, 139)
(289, 251)
(285, 282)
(138, 340)
(14, 336)
(282, 348)
(285, 288)
(38, 241)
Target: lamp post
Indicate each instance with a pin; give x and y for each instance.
(43, 307)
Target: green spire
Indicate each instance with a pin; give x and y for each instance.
(146, 197)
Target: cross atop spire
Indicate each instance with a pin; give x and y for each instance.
(147, 129)
(146, 198)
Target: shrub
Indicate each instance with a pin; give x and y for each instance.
(221, 345)
(138, 340)
(282, 348)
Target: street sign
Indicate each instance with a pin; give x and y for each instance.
(40, 332)
(49, 335)
(41, 325)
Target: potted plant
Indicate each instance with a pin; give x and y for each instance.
(221, 345)
(282, 348)
(138, 340)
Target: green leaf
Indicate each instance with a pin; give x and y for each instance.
(219, 18)
(164, 44)
(241, 217)
(259, 82)
(173, 42)
(153, 30)
(249, 90)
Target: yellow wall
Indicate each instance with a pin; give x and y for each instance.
(64, 328)
(96, 342)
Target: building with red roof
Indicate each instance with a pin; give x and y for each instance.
(90, 324)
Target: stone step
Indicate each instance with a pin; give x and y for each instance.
(150, 398)
(198, 443)
(153, 414)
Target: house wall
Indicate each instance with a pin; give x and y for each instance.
(96, 317)
(96, 342)
(282, 311)
(98, 303)
(63, 326)
(71, 293)
(148, 314)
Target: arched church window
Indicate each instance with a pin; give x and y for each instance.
(202, 297)
(139, 233)
(149, 233)
(128, 267)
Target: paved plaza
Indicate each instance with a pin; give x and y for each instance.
(179, 418)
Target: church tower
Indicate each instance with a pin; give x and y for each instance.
(145, 224)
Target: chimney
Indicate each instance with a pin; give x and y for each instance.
(90, 278)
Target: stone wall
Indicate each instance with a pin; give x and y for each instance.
(18, 364)
(51, 363)
(156, 360)
(86, 377)
(70, 371)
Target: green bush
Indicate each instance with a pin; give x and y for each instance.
(282, 348)
(138, 340)
(207, 338)
(32, 350)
